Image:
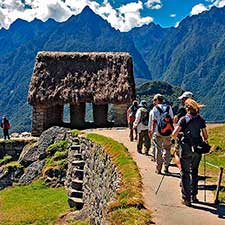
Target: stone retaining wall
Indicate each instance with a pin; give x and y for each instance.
(100, 181)
(12, 148)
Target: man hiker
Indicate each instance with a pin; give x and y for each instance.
(131, 112)
(5, 125)
(141, 124)
(180, 113)
(152, 148)
(161, 129)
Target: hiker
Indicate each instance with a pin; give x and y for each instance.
(161, 129)
(131, 112)
(5, 125)
(181, 112)
(192, 125)
(152, 148)
(141, 124)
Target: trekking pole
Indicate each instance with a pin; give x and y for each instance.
(160, 184)
(162, 179)
(204, 178)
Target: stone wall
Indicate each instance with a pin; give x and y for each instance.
(120, 115)
(12, 148)
(100, 181)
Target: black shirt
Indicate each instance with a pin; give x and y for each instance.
(181, 112)
(191, 127)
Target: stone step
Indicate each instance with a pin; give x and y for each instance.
(75, 203)
(78, 163)
(77, 156)
(77, 184)
(75, 147)
(78, 173)
(75, 193)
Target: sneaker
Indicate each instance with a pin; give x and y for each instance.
(186, 202)
(194, 199)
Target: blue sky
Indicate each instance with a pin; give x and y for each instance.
(121, 14)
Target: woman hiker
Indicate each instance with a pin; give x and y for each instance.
(5, 125)
(193, 127)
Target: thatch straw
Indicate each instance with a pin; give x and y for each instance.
(72, 77)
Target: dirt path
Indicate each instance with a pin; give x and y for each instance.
(166, 205)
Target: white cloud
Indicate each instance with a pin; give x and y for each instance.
(173, 15)
(197, 9)
(154, 4)
(123, 18)
(219, 3)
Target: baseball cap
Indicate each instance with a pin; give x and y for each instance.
(143, 103)
(186, 94)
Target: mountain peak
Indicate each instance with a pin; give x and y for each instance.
(18, 23)
(87, 10)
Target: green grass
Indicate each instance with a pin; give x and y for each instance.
(130, 216)
(216, 157)
(128, 208)
(32, 204)
(6, 159)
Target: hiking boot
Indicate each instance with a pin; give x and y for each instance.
(158, 171)
(139, 151)
(166, 170)
(194, 199)
(186, 202)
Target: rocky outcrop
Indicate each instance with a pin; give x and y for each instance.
(32, 158)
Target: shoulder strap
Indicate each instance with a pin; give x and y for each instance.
(159, 109)
(188, 119)
(167, 108)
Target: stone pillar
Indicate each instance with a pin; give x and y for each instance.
(39, 119)
(120, 115)
(77, 115)
(45, 116)
(55, 115)
(100, 114)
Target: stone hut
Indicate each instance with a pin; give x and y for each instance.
(75, 78)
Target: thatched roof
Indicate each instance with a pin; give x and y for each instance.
(65, 77)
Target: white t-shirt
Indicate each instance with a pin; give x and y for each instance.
(140, 126)
(156, 115)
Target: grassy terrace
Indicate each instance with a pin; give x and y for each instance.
(128, 208)
(32, 204)
(41, 205)
(216, 157)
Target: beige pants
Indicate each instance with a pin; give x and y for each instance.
(162, 145)
(143, 138)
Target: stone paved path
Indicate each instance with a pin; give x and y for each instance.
(166, 205)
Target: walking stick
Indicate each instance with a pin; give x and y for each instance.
(160, 184)
(204, 178)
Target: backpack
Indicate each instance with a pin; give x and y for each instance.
(200, 147)
(144, 116)
(131, 113)
(165, 125)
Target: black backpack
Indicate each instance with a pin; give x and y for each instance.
(144, 116)
(165, 125)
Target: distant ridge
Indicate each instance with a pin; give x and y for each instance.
(191, 56)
